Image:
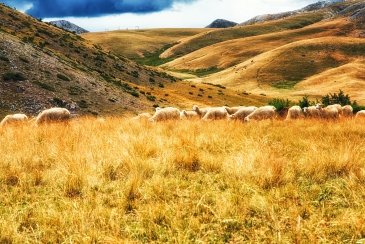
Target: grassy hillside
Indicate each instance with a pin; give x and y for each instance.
(218, 182)
(282, 70)
(43, 66)
(206, 39)
(229, 53)
(136, 44)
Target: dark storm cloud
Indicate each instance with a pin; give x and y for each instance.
(91, 8)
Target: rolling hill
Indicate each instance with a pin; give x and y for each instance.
(140, 45)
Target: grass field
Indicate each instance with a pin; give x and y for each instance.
(122, 181)
(136, 44)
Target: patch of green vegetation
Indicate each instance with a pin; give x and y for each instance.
(211, 84)
(45, 86)
(203, 72)
(63, 77)
(4, 58)
(153, 59)
(14, 76)
(151, 98)
(285, 84)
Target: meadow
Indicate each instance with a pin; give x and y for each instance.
(119, 181)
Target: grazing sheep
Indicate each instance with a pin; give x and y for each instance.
(53, 115)
(262, 113)
(360, 114)
(330, 113)
(13, 119)
(163, 114)
(336, 106)
(200, 111)
(189, 115)
(347, 111)
(295, 112)
(216, 114)
(142, 116)
(242, 113)
(312, 112)
(233, 110)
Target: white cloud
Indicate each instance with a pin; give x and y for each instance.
(198, 14)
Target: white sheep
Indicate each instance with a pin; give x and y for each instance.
(163, 114)
(295, 112)
(262, 113)
(336, 106)
(13, 119)
(53, 115)
(347, 111)
(189, 115)
(200, 111)
(216, 114)
(330, 112)
(242, 113)
(233, 110)
(360, 114)
(312, 112)
(142, 117)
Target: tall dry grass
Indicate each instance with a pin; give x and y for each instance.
(181, 182)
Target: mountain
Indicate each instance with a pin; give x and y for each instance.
(66, 25)
(312, 7)
(43, 66)
(221, 23)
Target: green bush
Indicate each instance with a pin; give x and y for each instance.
(63, 77)
(280, 104)
(151, 98)
(14, 76)
(304, 103)
(336, 98)
(4, 58)
(45, 86)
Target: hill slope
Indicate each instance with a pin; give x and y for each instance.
(229, 53)
(136, 44)
(43, 66)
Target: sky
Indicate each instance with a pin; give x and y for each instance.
(103, 15)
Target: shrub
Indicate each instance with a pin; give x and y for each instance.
(305, 102)
(336, 98)
(151, 98)
(14, 76)
(4, 58)
(82, 104)
(161, 85)
(135, 74)
(45, 86)
(280, 104)
(63, 77)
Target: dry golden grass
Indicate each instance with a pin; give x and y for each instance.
(135, 43)
(120, 181)
(320, 60)
(228, 53)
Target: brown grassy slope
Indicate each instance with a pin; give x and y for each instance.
(226, 54)
(280, 70)
(183, 182)
(41, 52)
(135, 43)
(213, 37)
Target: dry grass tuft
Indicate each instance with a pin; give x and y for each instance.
(185, 181)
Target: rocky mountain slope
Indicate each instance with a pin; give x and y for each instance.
(221, 23)
(43, 66)
(66, 25)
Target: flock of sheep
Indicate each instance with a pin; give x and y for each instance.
(241, 113)
(247, 114)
